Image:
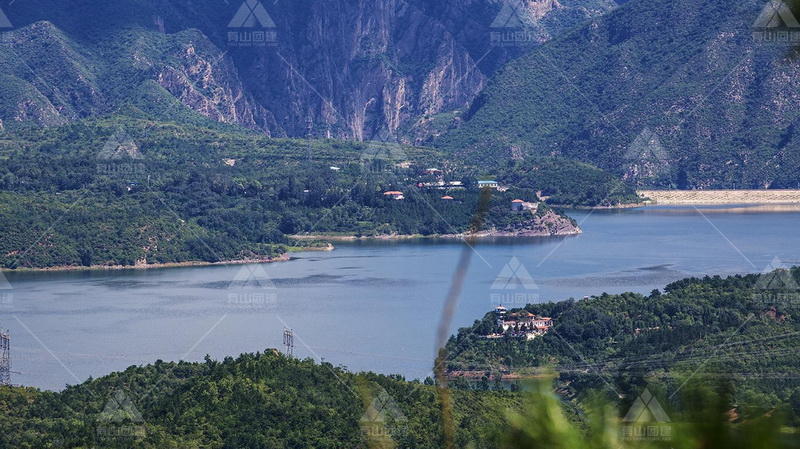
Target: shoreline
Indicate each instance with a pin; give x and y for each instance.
(719, 197)
(618, 206)
(480, 235)
(302, 249)
(148, 266)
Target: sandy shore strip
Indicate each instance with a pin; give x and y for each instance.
(721, 197)
(146, 266)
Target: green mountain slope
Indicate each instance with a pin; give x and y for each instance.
(271, 401)
(255, 401)
(742, 329)
(664, 93)
(131, 191)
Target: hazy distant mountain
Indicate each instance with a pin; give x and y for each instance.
(343, 68)
(662, 92)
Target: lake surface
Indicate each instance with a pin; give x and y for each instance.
(368, 305)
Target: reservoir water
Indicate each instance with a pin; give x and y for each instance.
(368, 305)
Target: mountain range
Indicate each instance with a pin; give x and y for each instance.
(664, 93)
(325, 68)
(669, 94)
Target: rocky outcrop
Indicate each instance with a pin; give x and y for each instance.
(545, 224)
(205, 79)
(357, 68)
(44, 78)
(346, 68)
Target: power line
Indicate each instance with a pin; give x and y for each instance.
(288, 341)
(5, 358)
(310, 129)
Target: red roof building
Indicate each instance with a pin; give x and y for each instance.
(395, 194)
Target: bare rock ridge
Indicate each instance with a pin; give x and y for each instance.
(349, 69)
(549, 223)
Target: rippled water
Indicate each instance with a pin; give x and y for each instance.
(366, 305)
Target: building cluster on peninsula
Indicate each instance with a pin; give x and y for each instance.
(520, 324)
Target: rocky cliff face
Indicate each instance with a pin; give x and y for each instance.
(356, 68)
(346, 68)
(203, 78)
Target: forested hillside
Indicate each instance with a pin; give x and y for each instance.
(742, 328)
(608, 352)
(254, 401)
(664, 93)
(123, 191)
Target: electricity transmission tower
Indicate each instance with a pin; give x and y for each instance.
(5, 358)
(288, 340)
(310, 129)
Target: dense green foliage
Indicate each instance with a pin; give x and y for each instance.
(703, 421)
(122, 191)
(721, 328)
(256, 401)
(690, 77)
(271, 401)
(569, 183)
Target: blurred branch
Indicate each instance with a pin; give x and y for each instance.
(440, 366)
